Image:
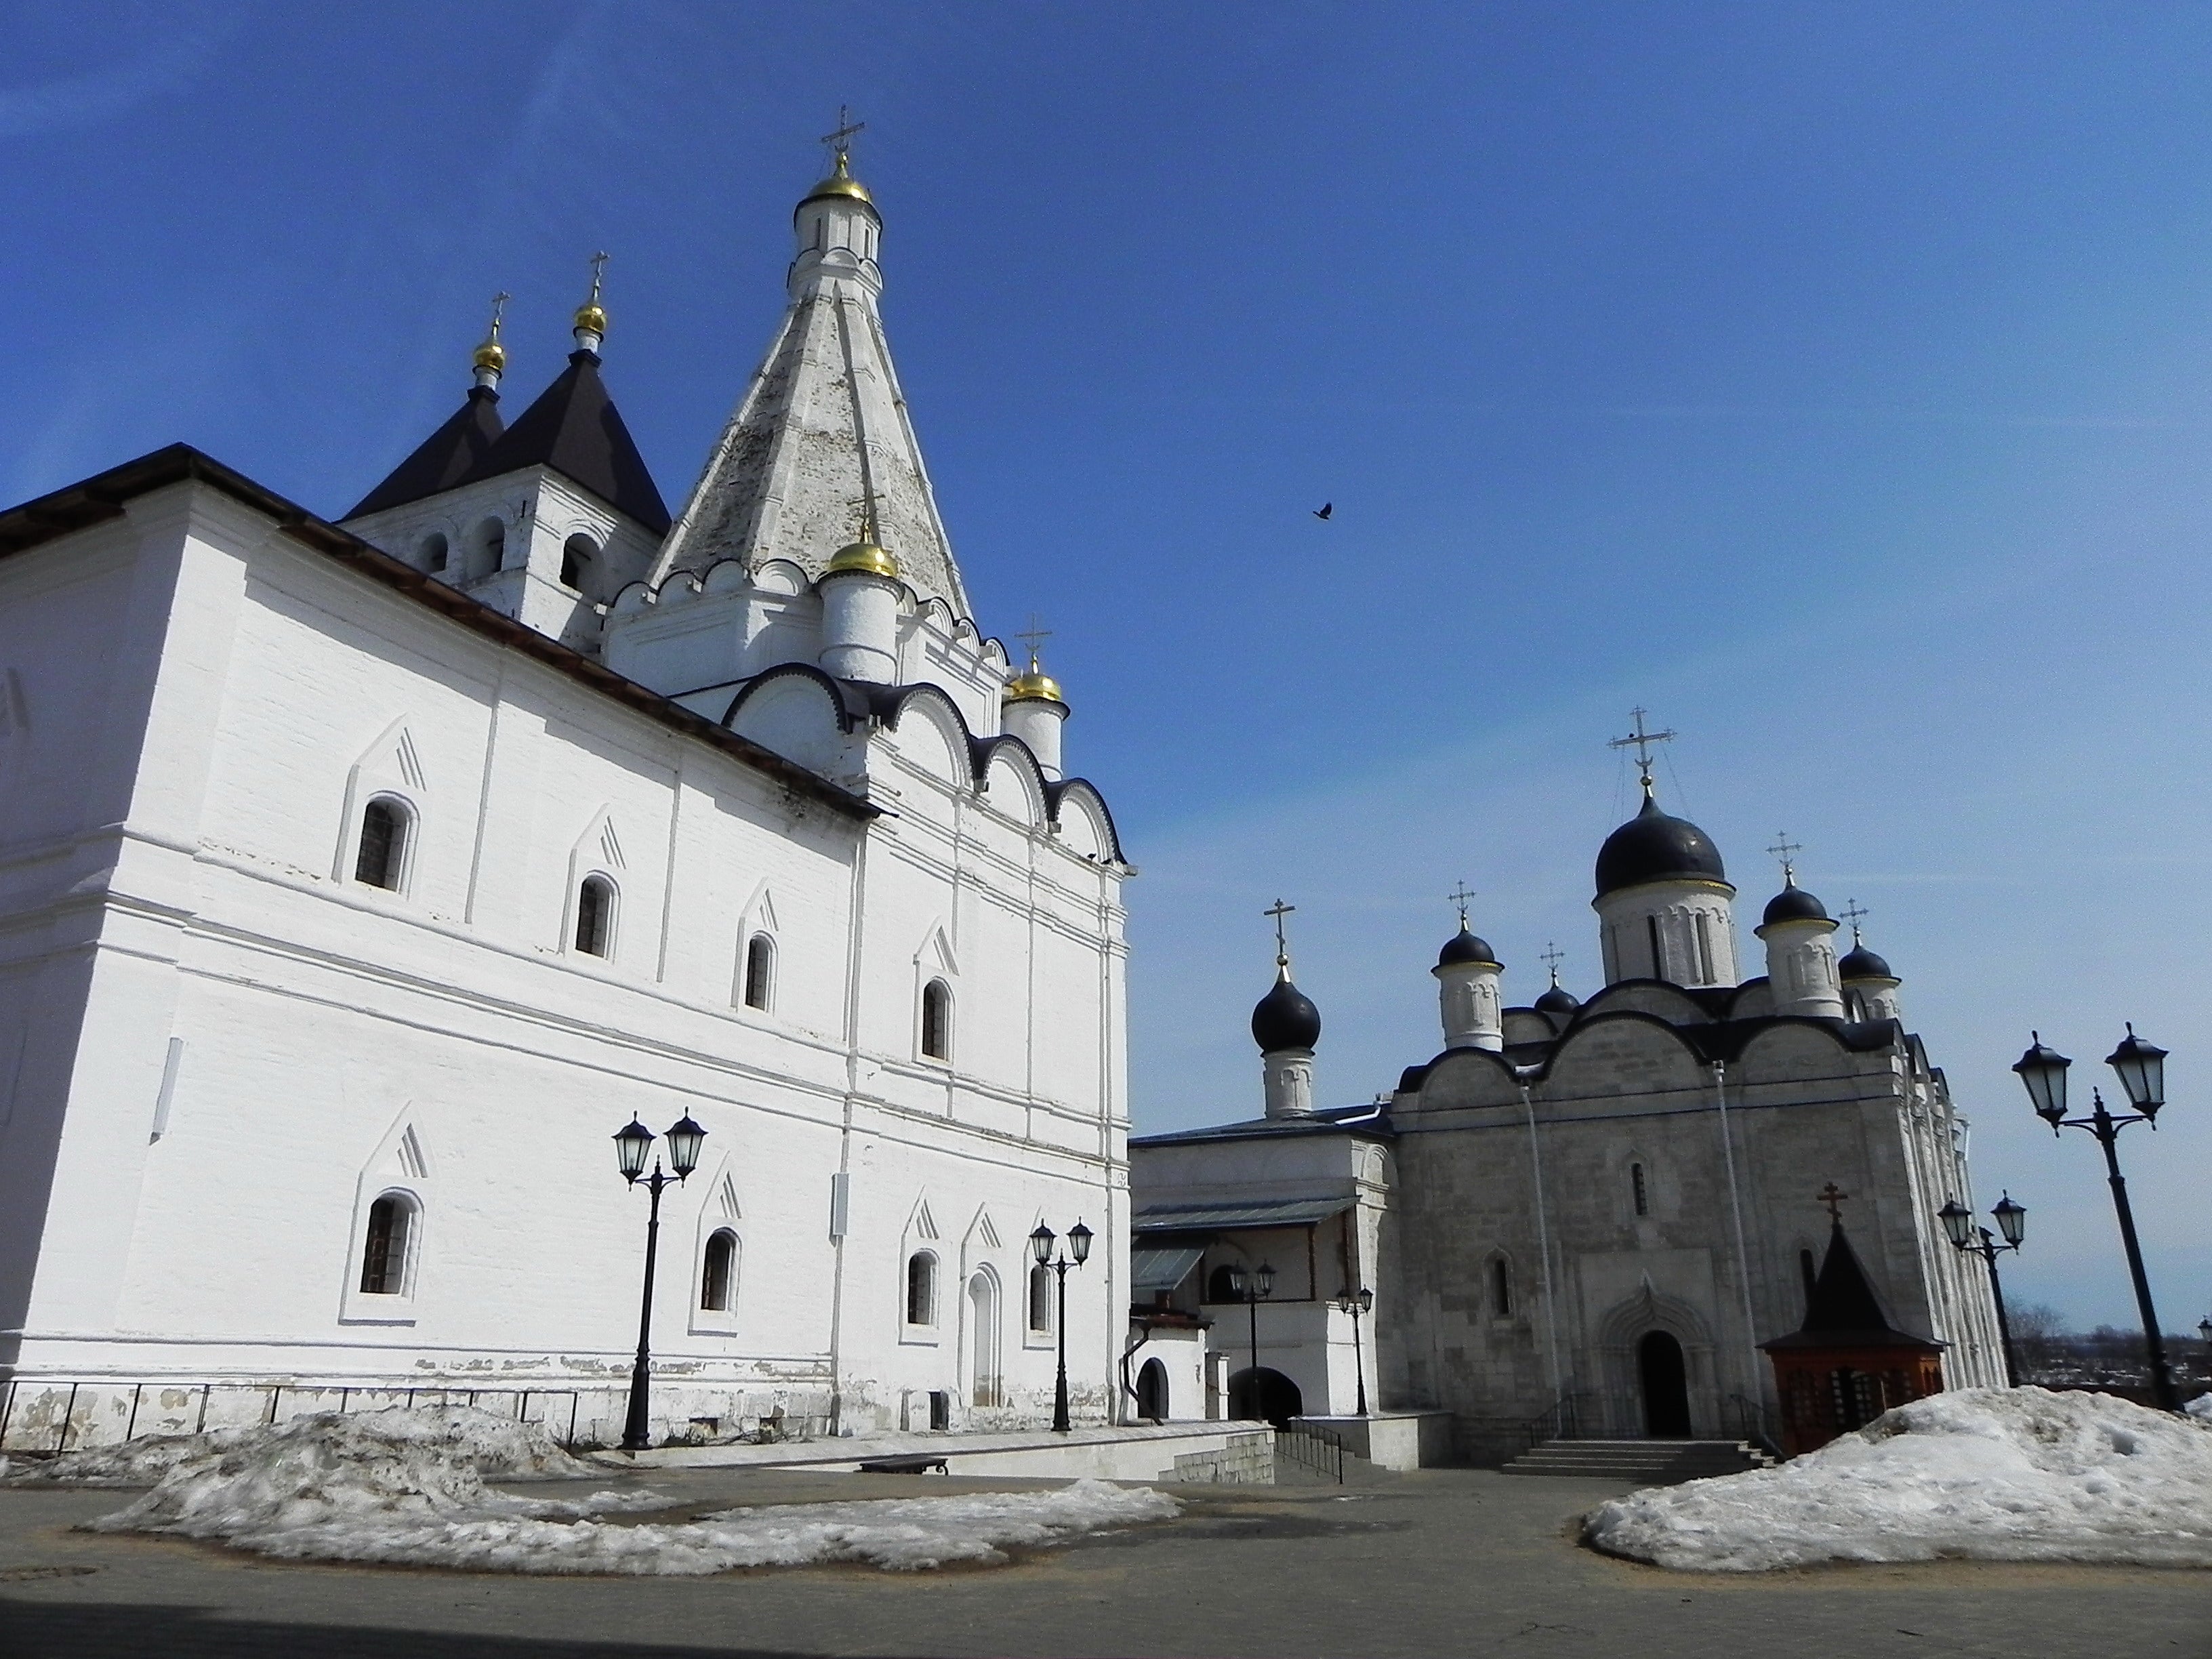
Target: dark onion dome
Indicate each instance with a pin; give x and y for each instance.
(1558, 1000)
(1285, 1018)
(1793, 903)
(1464, 946)
(1654, 847)
(1859, 962)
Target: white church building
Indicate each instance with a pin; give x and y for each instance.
(361, 879)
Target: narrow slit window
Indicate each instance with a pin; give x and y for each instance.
(937, 1020)
(1501, 1290)
(760, 971)
(1705, 947)
(718, 1275)
(922, 1289)
(1643, 1194)
(383, 845)
(595, 904)
(434, 553)
(1658, 955)
(1041, 1300)
(384, 1251)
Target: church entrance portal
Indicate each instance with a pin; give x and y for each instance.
(1264, 1394)
(1152, 1391)
(1666, 1387)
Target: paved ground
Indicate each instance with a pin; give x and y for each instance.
(1442, 1562)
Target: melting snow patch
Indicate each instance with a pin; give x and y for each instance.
(2021, 1474)
(408, 1486)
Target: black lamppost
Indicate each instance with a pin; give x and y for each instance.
(1251, 1287)
(633, 1141)
(1356, 1303)
(2012, 1221)
(1079, 1247)
(2142, 1068)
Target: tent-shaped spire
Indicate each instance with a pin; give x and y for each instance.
(820, 439)
(1843, 1310)
(456, 451)
(575, 428)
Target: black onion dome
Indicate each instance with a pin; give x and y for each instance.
(1286, 1018)
(1793, 903)
(1654, 847)
(1558, 1000)
(1859, 962)
(1464, 946)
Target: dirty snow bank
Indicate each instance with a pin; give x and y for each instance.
(2021, 1474)
(408, 1486)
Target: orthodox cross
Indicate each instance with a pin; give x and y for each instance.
(599, 271)
(1641, 741)
(1787, 850)
(840, 143)
(1033, 636)
(1552, 957)
(1851, 912)
(1282, 945)
(498, 311)
(1833, 1197)
(1460, 896)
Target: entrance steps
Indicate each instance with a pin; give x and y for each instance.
(1647, 1463)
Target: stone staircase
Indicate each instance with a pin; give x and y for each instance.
(1646, 1462)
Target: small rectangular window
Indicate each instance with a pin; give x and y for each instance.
(383, 839)
(593, 901)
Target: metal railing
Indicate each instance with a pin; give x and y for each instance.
(1313, 1448)
(272, 1399)
(1560, 1421)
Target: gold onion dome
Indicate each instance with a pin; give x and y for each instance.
(863, 555)
(492, 356)
(592, 318)
(1035, 683)
(841, 182)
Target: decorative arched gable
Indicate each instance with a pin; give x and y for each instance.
(797, 711)
(392, 765)
(1086, 823)
(1622, 1053)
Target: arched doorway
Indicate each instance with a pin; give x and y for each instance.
(1666, 1387)
(1152, 1391)
(983, 1338)
(1264, 1395)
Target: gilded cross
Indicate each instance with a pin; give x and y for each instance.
(1833, 1197)
(1787, 850)
(1460, 896)
(598, 273)
(498, 311)
(1641, 741)
(1277, 911)
(840, 143)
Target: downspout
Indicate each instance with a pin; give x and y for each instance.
(841, 1201)
(1742, 1255)
(1544, 1245)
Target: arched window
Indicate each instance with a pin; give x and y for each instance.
(718, 1275)
(1039, 1300)
(937, 1020)
(1221, 1284)
(434, 552)
(384, 1251)
(921, 1288)
(487, 548)
(1501, 1290)
(760, 971)
(579, 555)
(1636, 1185)
(383, 846)
(1152, 1391)
(595, 915)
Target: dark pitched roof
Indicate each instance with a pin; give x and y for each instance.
(575, 428)
(1842, 1311)
(449, 455)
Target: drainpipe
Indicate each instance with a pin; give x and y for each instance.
(1543, 1244)
(1736, 1208)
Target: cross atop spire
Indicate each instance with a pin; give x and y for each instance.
(840, 143)
(1787, 850)
(1552, 957)
(1851, 912)
(1833, 1197)
(1277, 911)
(591, 323)
(1458, 895)
(1641, 741)
(1034, 637)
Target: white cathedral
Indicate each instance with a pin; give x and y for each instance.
(360, 879)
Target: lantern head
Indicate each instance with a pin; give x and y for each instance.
(2043, 1071)
(633, 1141)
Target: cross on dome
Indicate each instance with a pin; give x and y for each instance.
(1851, 912)
(1787, 850)
(1277, 911)
(1641, 741)
(1833, 1197)
(1034, 637)
(1553, 957)
(840, 143)
(1458, 895)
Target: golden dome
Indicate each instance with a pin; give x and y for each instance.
(491, 355)
(840, 183)
(1035, 683)
(592, 318)
(863, 555)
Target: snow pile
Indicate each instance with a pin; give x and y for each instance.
(2200, 1406)
(2021, 1474)
(408, 1486)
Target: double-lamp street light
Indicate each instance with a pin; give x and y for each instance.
(633, 1144)
(2142, 1069)
(1356, 1303)
(1078, 1252)
(1251, 1289)
(2012, 1221)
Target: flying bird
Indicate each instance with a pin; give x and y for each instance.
(1324, 509)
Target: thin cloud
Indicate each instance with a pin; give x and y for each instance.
(180, 52)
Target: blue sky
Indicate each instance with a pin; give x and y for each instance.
(1832, 381)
